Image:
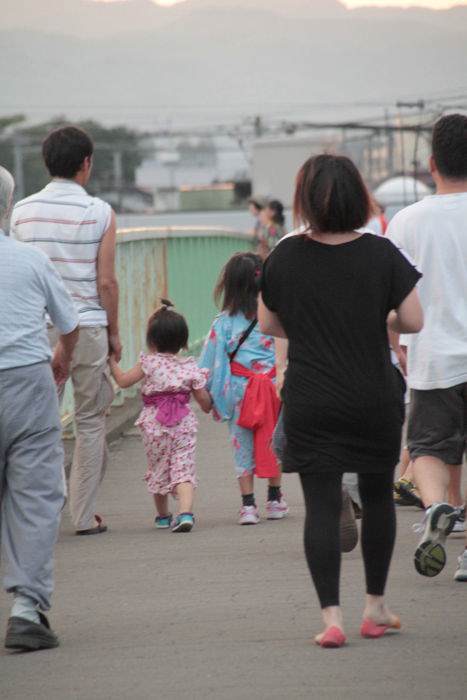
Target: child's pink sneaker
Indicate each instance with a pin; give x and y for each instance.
(276, 510)
(249, 515)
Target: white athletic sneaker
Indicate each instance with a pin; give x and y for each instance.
(249, 515)
(276, 510)
(430, 555)
(459, 525)
(461, 573)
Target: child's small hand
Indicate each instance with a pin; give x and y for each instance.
(203, 398)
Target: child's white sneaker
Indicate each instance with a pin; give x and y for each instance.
(276, 510)
(249, 515)
(461, 573)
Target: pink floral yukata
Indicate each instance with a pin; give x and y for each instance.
(170, 449)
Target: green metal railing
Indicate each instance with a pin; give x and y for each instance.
(181, 263)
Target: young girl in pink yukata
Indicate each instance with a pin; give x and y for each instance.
(167, 423)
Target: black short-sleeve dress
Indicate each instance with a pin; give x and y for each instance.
(343, 397)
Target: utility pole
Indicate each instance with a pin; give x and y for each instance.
(258, 127)
(118, 175)
(370, 159)
(19, 166)
(390, 147)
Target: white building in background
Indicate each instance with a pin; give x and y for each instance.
(276, 162)
(398, 192)
(189, 162)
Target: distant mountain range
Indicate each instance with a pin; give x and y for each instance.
(138, 62)
(88, 18)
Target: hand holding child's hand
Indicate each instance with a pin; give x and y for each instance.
(115, 346)
(113, 364)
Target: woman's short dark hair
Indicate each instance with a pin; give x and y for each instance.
(64, 151)
(277, 209)
(238, 285)
(330, 195)
(449, 146)
(167, 330)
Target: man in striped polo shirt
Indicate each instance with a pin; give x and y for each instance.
(78, 233)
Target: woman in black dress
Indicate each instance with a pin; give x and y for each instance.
(334, 292)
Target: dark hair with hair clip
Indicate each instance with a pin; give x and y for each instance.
(238, 285)
(167, 330)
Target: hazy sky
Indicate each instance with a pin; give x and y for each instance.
(438, 4)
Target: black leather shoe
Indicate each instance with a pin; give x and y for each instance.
(24, 635)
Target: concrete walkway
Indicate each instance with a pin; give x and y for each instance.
(226, 613)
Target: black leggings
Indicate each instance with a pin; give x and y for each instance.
(323, 502)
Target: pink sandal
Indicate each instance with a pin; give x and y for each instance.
(371, 630)
(333, 638)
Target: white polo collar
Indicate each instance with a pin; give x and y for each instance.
(67, 185)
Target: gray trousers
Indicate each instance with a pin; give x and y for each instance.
(31, 483)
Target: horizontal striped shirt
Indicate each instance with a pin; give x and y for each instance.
(67, 224)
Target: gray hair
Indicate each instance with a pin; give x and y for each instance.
(7, 186)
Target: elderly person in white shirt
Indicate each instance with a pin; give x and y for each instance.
(31, 452)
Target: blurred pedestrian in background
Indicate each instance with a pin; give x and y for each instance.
(377, 223)
(255, 206)
(272, 229)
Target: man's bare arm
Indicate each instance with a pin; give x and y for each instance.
(107, 285)
(63, 352)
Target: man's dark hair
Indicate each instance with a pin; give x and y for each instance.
(330, 195)
(167, 330)
(64, 151)
(449, 146)
(238, 286)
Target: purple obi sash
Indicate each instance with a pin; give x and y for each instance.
(173, 406)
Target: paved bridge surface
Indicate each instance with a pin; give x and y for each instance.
(226, 613)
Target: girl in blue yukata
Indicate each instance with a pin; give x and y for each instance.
(241, 362)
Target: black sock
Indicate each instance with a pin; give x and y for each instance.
(274, 493)
(249, 499)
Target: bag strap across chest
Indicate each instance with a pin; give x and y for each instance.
(246, 333)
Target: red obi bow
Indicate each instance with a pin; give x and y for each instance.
(259, 413)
